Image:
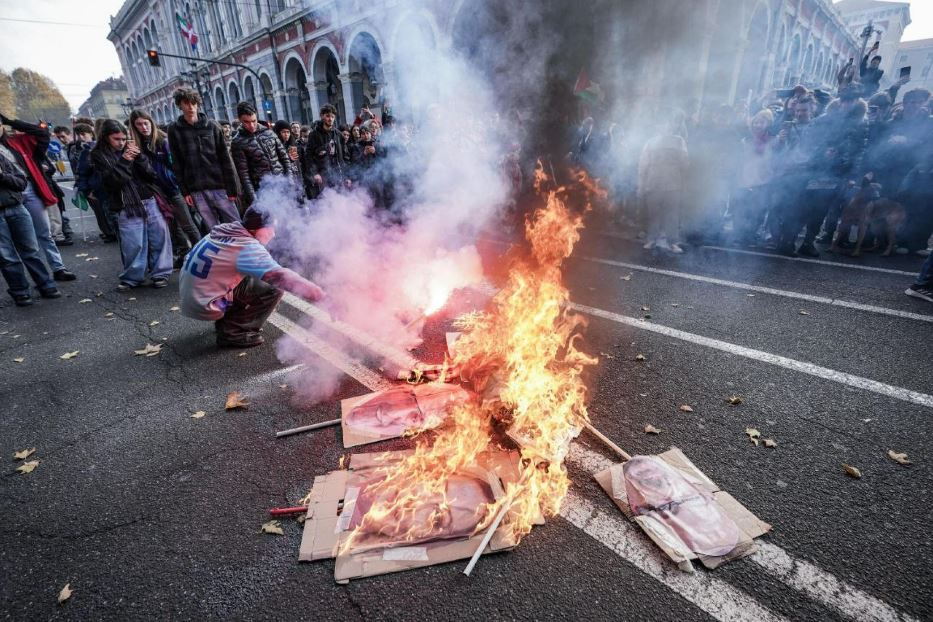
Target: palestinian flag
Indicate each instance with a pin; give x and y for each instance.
(586, 89)
(187, 31)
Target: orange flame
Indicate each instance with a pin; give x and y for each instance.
(521, 357)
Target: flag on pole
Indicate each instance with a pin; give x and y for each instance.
(187, 31)
(587, 89)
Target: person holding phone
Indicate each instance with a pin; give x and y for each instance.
(870, 74)
(129, 180)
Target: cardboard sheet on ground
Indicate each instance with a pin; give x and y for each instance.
(393, 412)
(681, 509)
(340, 500)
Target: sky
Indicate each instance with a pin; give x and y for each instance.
(76, 54)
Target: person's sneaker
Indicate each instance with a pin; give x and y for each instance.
(123, 287)
(923, 293)
(23, 300)
(65, 242)
(663, 244)
(923, 252)
(676, 249)
(64, 275)
(51, 292)
(808, 250)
(648, 245)
(249, 342)
(159, 282)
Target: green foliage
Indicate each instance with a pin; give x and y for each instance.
(7, 97)
(37, 98)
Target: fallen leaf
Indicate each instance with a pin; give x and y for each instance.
(643, 394)
(84, 300)
(132, 298)
(93, 276)
(606, 355)
(234, 401)
(769, 442)
(650, 429)
(151, 349)
(851, 471)
(750, 295)
(16, 336)
(198, 414)
(675, 304)
(25, 453)
(627, 277)
(154, 323)
(175, 308)
(108, 314)
(65, 594)
(639, 357)
(98, 294)
(283, 386)
(28, 467)
(646, 308)
(685, 408)
(69, 355)
(241, 354)
(272, 527)
(91, 259)
(898, 458)
(753, 435)
(81, 255)
(735, 400)
(300, 519)
(18, 359)
(802, 312)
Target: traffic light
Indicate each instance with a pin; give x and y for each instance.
(153, 58)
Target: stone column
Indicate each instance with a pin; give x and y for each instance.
(352, 95)
(318, 93)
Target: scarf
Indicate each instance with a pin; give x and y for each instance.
(26, 145)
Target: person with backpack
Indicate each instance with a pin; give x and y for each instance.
(129, 180)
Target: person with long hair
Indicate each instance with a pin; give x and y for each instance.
(154, 144)
(129, 179)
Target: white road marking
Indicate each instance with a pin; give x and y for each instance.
(851, 380)
(765, 290)
(822, 262)
(800, 575)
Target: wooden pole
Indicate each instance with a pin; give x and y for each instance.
(487, 538)
(606, 441)
(307, 428)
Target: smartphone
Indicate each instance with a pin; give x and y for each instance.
(905, 72)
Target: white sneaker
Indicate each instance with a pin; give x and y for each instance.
(663, 244)
(648, 245)
(676, 249)
(920, 292)
(924, 253)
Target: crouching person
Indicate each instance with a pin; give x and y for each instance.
(128, 177)
(229, 277)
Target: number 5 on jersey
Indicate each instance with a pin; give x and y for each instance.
(198, 263)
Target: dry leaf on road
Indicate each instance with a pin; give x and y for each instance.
(675, 304)
(81, 255)
(69, 355)
(93, 276)
(132, 298)
(241, 354)
(92, 259)
(898, 458)
(25, 453)
(650, 429)
(272, 527)
(28, 467)
(735, 400)
(283, 386)
(151, 349)
(65, 594)
(685, 408)
(802, 312)
(750, 295)
(234, 401)
(639, 357)
(154, 323)
(646, 308)
(851, 471)
(753, 435)
(84, 300)
(108, 314)
(627, 277)
(606, 355)
(769, 442)
(198, 414)
(18, 359)
(175, 308)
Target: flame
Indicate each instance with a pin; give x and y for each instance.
(521, 358)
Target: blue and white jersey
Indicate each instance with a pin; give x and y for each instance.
(216, 265)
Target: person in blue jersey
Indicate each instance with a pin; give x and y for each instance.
(229, 277)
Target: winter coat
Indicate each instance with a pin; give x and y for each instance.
(663, 165)
(30, 146)
(870, 77)
(255, 156)
(324, 156)
(161, 160)
(201, 157)
(127, 183)
(12, 184)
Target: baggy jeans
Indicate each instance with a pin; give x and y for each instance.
(215, 207)
(40, 222)
(18, 250)
(144, 245)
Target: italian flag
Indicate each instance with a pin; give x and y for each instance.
(187, 31)
(585, 89)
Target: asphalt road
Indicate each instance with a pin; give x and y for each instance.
(149, 513)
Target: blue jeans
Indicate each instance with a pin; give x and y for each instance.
(215, 207)
(925, 278)
(19, 250)
(144, 245)
(40, 222)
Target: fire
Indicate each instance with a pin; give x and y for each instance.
(521, 358)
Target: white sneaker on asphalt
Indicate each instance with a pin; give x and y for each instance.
(663, 244)
(920, 292)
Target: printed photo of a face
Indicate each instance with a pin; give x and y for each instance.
(387, 414)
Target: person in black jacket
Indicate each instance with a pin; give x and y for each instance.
(19, 249)
(202, 162)
(257, 152)
(128, 178)
(324, 159)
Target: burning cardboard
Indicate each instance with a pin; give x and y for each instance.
(392, 413)
(341, 523)
(682, 510)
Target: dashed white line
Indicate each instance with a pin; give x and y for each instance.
(851, 380)
(765, 290)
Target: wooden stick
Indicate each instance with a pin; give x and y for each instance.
(606, 440)
(307, 428)
(486, 538)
